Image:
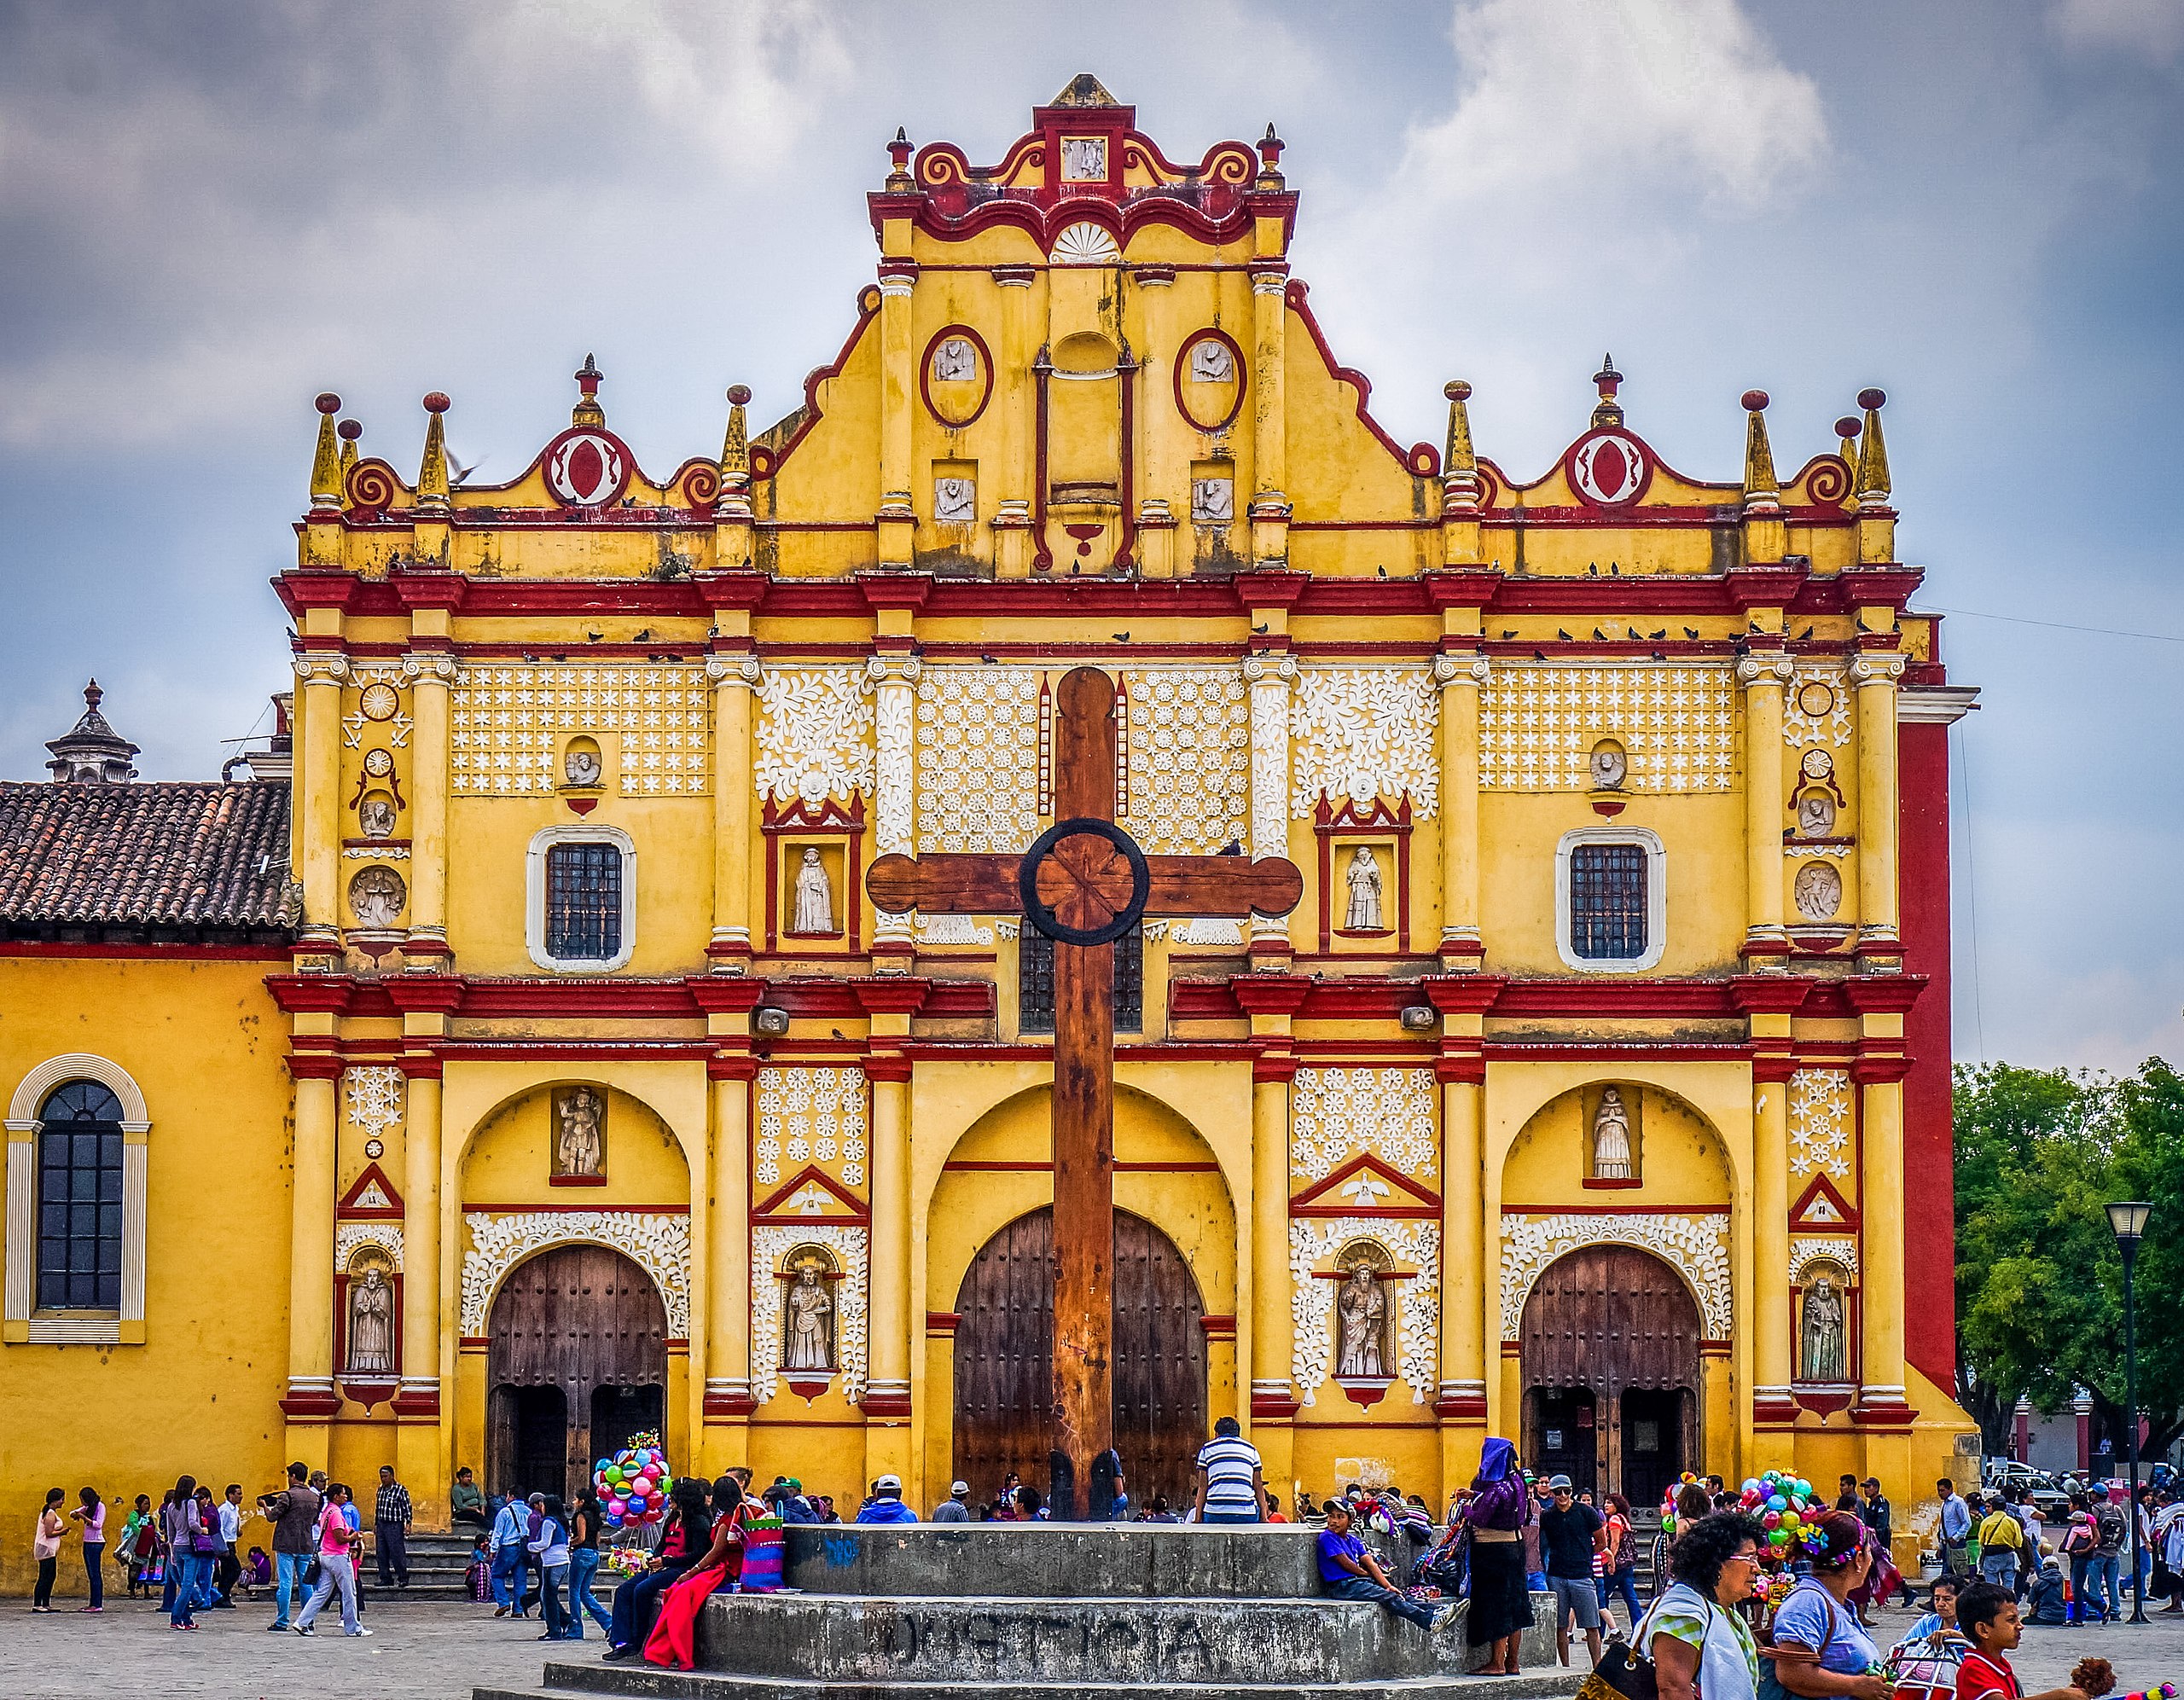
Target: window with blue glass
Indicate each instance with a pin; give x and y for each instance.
(79, 1199)
(584, 901)
(1608, 901)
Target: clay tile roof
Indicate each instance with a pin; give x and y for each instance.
(167, 857)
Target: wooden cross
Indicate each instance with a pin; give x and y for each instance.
(1084, 883)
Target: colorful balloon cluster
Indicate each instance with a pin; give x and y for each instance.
(634, 1484)
(2166, 1692)
(1785, 1506)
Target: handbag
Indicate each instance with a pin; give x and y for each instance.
(1624, 1670)
(1770, 1685)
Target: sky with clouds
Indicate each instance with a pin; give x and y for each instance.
(208, 214)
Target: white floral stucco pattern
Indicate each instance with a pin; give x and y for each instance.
(814, 734)
(352, 1236)
(1820, 1122)
(1314, 1243)
(506, 723)
(811, 1114)
(374, 1096)
(1336, 1113)
(1695, 1246)
(770, 1245)
(978, 758)
(1366, 732)
(659, 1245)
(1805, 1252)
(1189, 742)
(1537, 724)
(1832, 726)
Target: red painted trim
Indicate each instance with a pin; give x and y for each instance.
(924, 376)
(1423, 459)
(943, 1321)
(1043, 556)
(1308, 1201)
(771, 1206)
(1032, 1166)
(143, 953)
(1592, 1209)
(1210, 333)
(576, 1180)
(1929, 1205)
(1591, 1183)
(1218, 1327)
(1820, 1185)
(472, 1207)
(346, 1209)
(828, 819)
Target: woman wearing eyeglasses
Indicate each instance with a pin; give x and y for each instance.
(1698, 1639)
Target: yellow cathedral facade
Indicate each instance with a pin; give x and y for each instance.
(509, 1057)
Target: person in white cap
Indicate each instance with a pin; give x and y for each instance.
(886, 1505)
(956, 1507)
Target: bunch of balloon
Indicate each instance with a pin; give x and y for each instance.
(1786, 1509)
(633, 1485)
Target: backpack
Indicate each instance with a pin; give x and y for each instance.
(2109, 1522)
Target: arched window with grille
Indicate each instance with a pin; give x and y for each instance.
(1609, 899)
(79, 1221)
(581, 896)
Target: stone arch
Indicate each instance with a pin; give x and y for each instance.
(502, 1241)
(1682, 1157)
(462, 1153)
(18, 1294)
(32, 1090)
(1695, 1247)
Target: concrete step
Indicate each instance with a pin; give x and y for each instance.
(563, 1680)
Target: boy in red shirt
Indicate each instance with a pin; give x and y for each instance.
(1988, 1617)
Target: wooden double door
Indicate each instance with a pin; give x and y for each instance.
(577, 1364)
(1610, 1354)
(1004, 1361)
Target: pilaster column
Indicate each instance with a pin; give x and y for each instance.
(893, 678)
(1461, 1407)
(1011, 480)
(1881, 1395)
(1270, 677)
(1764, 677)
(311, 1399)
(728, 1256)
(896, 520)
(430, 677)
(320, 674)
(1273, 1395)
(1774, 1415)
(733, 679)
(1270, 507)
(1874, 675)
(425, 1460)
(887, 1389)
(1459, 675)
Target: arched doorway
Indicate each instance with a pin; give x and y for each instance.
(577, 1363)
(1610, 1352)
(1004, 1358)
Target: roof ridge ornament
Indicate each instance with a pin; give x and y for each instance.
(1084, 90)
(587, 411)
(1610, 411)
(91, 753)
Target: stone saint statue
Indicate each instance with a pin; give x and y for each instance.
(955, 362)
(371, 1325)
(580, 766)
(1815, 815)
(1608, 767)
(1364, 882)
(1611, 1138)
(1363, 1308)
(810, 1343)
(376, 815)
(1817, 892)
(581, 1149)
(815, 900)
(376, 897)
(1212, 363)
(1823, 1333)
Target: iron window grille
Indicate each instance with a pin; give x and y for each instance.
(79, 1199)
(584, 903)
(1608, 901)
(1034, 982)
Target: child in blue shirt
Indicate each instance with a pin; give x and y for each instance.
(1352, 1573)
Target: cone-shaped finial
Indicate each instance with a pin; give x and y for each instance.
(587, 411)
(735, 448)
(431, 475)
(1460, 459)
(1760, 484)
(1872, 456)
(898, 154)
(326, 460)
(348, 432)
(1609, 380)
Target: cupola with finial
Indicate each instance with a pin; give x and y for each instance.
(92, 753)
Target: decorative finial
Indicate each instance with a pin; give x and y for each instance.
(1610, 411)
(587, 411)
(91, 753)
(93, 696)
(898, 151)
(431, 475)
(734, 501)
(348, 432)
(1872, 457)
(1270, 147)
(326, 458)
(1459, 463)
(1760, 484)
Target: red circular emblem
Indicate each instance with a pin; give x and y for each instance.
(1610, 467)
(586, 468)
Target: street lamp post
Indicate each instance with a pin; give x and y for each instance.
(2129, 1223)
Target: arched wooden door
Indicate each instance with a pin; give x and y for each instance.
(578, 1362)
(1610, 1343)
(1004, 1360)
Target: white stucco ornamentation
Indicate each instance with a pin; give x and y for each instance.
(813, 734)
(894, 714)
(769, 1245)
(978, 759)
(1804, 1253)
(1313, 1246)
(811, 1114)
(1335, 1113)
(659, 1245)
(1816, 709)
(1696, 1246)
(351, 1236)
(374, 1098)
(1820, 1122)
(1271, 678)
(1365, 731)
(507, 724)
(1190, 760)
(1538, 722)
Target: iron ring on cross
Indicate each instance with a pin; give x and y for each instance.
(1093, 893)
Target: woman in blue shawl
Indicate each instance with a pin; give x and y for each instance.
(1500, 1610)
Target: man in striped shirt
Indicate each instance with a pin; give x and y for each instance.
(1230, 1489)
(391, 1516)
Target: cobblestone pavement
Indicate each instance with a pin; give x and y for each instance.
(434, 1652)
